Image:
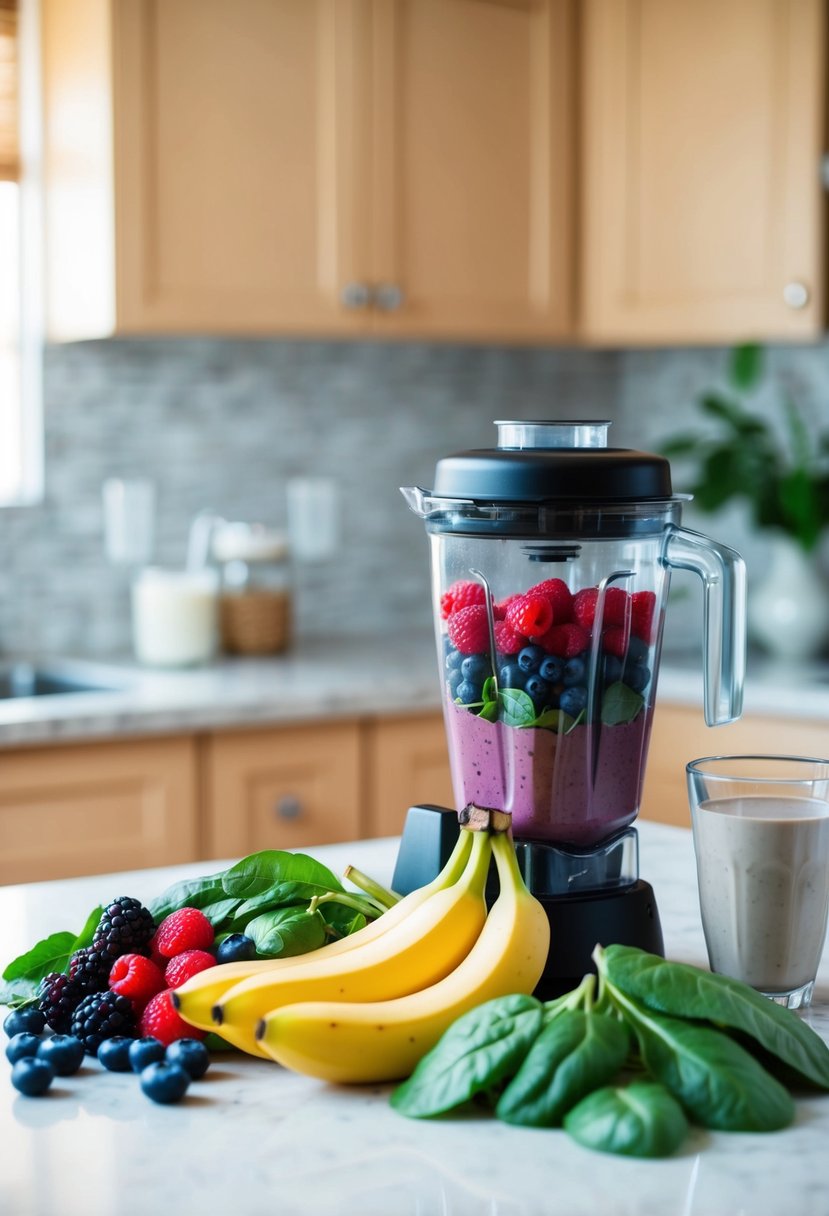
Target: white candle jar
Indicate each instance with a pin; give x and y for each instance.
(175, 616)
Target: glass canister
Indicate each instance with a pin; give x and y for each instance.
(255, 606)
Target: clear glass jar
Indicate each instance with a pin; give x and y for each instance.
(256, 602)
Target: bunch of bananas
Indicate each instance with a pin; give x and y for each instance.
(367, 1007)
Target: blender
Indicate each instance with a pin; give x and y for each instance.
(551, 559)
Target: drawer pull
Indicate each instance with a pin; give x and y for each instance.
(287, 807)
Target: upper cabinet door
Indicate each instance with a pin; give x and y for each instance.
(472, 167)
(702, 129)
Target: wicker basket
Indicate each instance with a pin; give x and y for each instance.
(256, 622)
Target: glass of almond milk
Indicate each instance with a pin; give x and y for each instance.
(761, 839)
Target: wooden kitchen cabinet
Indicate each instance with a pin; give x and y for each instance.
(308, 166)
(407, 764)
(680, 735)
(97, 807)
(701, 145)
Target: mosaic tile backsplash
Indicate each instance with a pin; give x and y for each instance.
(222, 424)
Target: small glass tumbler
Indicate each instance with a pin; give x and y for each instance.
(761, 840)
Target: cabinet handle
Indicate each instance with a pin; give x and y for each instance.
(796, 294)
(287, 807)
(388, 297)
(356, 295)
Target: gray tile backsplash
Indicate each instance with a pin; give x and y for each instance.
(223, 424)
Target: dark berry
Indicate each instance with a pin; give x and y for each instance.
(637, 651)
(612, 669)
(125, 927)
(114, 1053)
(59, 998)
(476, 668)
(636, 677)
(453, 657)
(191, 1055)
(145, 1051)
(32, 1076)
(468, 693)
(539, 690)
(511, 676)
(100, 1016)
(28, 1021)
(165, 1082)
(236, 948)
(573, 701)
(64, 1052)
(574, 672)
(89, 970)
(551, 669)
(530, 657)
(22, 1045)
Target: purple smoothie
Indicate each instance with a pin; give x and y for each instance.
(543, 779)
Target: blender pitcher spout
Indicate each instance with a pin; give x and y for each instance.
(723, 576)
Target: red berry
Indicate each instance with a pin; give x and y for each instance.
(186, 929)
(530, 615)
(584, 606)
(499, 610)
(161, 1020)
(559, 595)
(461, 595)
(507, 641)
(137, 977)
(189, 962)
(469, 630)
(615, 606)
(566, 641)
(642, 608)
(615, 640)
(585, 603)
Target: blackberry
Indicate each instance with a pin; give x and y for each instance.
(125, 927)
(59, 998)
(90, 970)
(102, 1015)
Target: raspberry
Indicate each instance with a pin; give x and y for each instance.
(125, 927)
(161, 1021)
(102, 1015)
(615, 640)
(59, 998)
(507, 641)
(530, 615)
(584, 607)
(461, 595)
(90, 970)
(642, 608)
(137, 977)
(566, 641)
(186, 929)
(469, 630)
(559, 595)
(615, 606)
(499, 610)
(189, 962)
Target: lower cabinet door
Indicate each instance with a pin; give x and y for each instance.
(96, 807)
(408, 763)
(282, 788)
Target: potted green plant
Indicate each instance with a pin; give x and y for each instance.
(782, 475)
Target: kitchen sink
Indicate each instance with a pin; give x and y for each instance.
(28, 680)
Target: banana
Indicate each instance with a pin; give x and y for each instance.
(383, 1040)
(195, 999)
(420, 950)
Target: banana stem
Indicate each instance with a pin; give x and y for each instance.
(371, 887)
(360, 903)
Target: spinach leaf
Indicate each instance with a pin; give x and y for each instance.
(51, 954)
(575, 1053)
(685, 991)
(344, 919)
(517, 709)
(275, 877)
(87, 933)
(220, 913)
(189, 893)
(479, 1050)
(556, 720)
(284, 932)
(620, 704)
(639, 1120)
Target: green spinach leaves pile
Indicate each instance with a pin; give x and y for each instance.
(625, 1064)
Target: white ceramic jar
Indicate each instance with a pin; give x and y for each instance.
(175, 616)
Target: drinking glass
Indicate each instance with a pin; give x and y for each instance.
(761, 840)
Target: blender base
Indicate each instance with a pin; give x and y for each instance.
(622, 915)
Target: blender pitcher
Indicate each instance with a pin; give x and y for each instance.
(551, 559)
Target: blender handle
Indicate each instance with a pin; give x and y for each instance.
(723, 576)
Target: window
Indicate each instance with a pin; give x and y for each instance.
(20, 415)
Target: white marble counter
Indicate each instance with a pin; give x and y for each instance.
(255, 1140)
(345, 677)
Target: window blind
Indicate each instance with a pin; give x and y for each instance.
(9, 161)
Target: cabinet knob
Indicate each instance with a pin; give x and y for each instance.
(287, 807)
(388, 297)
(356, 295)
(796, 294)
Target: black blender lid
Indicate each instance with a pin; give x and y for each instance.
(544, 461)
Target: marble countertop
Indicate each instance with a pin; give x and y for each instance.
(340, 677)
(255, 1140)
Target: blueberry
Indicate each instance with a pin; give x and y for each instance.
(164, 1082)
(453, 657)
(539, 690)
(612, 669)
(114, 1053)
(191, 1055)
(32, 1076)
(64, 1052)
(511, 676)
(476, 668)
(637, 677)
(574, 672)
(573, 701)
(468, 693)
(145, 1051)
(22, 1045)
(455, 680)
(551, 668)
(637, 651)
(24, 1021)
(236, 948)
(530, 657)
